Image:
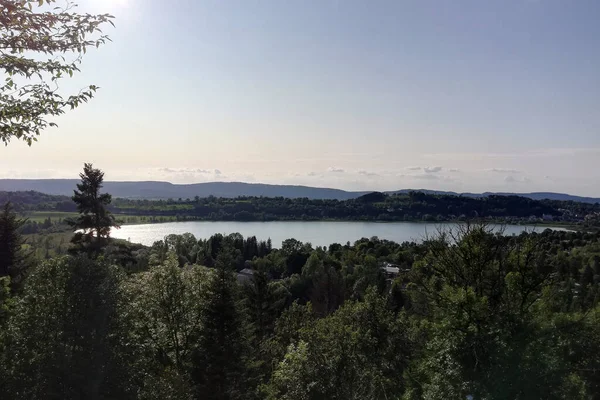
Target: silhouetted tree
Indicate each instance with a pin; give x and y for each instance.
(94, 221)
(12, 258)
(219, 364)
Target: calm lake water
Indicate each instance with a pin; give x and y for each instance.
(318, 233)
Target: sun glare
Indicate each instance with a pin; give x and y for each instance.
(107, 5)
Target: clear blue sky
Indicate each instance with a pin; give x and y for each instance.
(458, 95)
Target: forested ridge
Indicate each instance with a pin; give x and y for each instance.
(414, 206)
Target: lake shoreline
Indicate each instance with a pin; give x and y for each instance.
(565, 225)
(316, 232)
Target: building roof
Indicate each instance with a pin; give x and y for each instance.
(245, 275)
(392, 270)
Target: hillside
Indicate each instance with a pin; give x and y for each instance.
(166, 190)
(533, 195)
(375, 206)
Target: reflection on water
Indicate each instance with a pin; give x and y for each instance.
(319, 233)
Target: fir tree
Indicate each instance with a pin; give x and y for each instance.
(219, 363)
(94, 221)
(12, 258)
(265, 301)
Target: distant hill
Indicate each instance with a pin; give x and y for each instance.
(552, 196)
(428, 191)
(371, 197)
(533, 195)
(165, 190)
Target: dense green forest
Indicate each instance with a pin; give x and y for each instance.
(467, 313)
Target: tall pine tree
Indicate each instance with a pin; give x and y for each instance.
(220, 362)
(12, 258)
(94, 221)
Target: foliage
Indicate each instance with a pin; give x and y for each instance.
(31, 32)
(36, 201)
(94, 220)
(164, 310)
(413, 206)
(6, 302)
(395, 207)
(12, 257)
(359, 352)
(480, 297)
(221, 357)
(59, 340)
(265, 301)
(469, 312)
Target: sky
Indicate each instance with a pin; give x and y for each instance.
(464, 95)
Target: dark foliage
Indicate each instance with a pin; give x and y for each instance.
(371, 207)
(94, 221)
(12, 257)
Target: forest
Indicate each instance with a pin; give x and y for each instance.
(467, 312)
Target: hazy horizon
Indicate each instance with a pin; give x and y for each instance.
(465, 96)
(391, 189)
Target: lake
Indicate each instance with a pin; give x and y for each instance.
(319, 233)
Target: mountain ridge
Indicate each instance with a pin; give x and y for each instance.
(164, 190)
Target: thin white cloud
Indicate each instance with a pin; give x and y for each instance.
(427, 170)
(336, 170)
(432, 170)
(367, 173)
(192, 171)
(504, 170)
(512, 179)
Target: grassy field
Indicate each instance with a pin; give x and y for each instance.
(122, 219)
(142, 219)
(41, 216)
